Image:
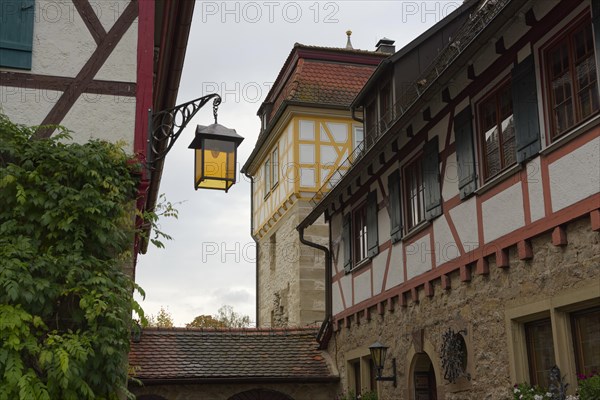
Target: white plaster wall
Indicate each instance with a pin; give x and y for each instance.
(396, 271)
(346, 285)
(336, 300)
(62, 43)
(575, 176)
(535, 189)
(108, 11)
(450, 179)
(362, 287)
(27, 106)
(445, 246)
(338, 247)
(464, 217)
(503, 213)
(379, 271)
(106, 117)
(418, 257)
(383, 224)
(121, 65)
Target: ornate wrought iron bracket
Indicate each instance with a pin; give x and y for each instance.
(454, 355)
(391, 378)
(165, 127)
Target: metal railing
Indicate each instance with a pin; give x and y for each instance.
(484, 13)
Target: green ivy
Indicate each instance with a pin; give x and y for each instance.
(66, 232)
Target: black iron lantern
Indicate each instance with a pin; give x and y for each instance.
(378, 354)
(216, 157)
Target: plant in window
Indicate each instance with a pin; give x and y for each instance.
(589, 386)
(524, 391)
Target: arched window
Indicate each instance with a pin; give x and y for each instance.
(260, 394)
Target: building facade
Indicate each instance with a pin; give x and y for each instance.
(94, 67)
(307, 131)
(466, 237)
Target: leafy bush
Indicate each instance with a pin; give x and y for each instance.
(589, 387)
(66, 230)
(524, 391)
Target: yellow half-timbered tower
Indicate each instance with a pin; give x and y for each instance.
(307, 131)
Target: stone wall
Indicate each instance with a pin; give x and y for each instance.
(291, 280)
(480, 308)
(297, 391)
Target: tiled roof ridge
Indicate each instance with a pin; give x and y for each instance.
(341, 49)
(288, 330)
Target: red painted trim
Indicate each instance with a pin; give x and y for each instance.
(387, 269)
(433, 248)
(145, 70)
(498, 247)
(454, 232)
(502, 259)
(595, 220)
(465, 273)
(559, 236)
(429, 289)
(525, 250)
(482, 267)
(446, 282)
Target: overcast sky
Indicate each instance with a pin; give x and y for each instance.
(237, 49)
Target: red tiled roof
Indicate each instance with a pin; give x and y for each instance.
(325, 83)
(203, 355)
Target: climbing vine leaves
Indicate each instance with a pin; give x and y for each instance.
(66, 232)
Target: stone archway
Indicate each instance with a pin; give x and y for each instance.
(260, 394)
(424, 385)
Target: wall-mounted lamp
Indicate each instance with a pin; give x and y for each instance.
(378, 353)
(215, 145)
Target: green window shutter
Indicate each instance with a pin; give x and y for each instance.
(465, 153)
(16, 33)
(372, 233)
(525, 110)
(431, 179)
(347, 240)
(394, 190)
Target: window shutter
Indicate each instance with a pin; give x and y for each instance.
(394, 190)
(596, 24)
(16, 33)
(465, 153)
(347, 240)
(431, 179)
(372, 234)
(525, 110)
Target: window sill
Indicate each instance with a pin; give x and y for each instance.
(572, 134)
(362, 263)
(415, 230)
(501, 177)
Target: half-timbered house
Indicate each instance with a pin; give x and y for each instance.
(307, 131)
(95, 67)
(465, 235)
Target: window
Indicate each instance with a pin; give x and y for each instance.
(586, 340)
(361, 377)
(415, 193)
(275, 167)
(16, 33)
(359, 233)
(358, 136)
(497, 132)
(267, 173)
(571, 70)
(540, 351)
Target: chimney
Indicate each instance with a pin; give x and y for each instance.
(386, 45)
